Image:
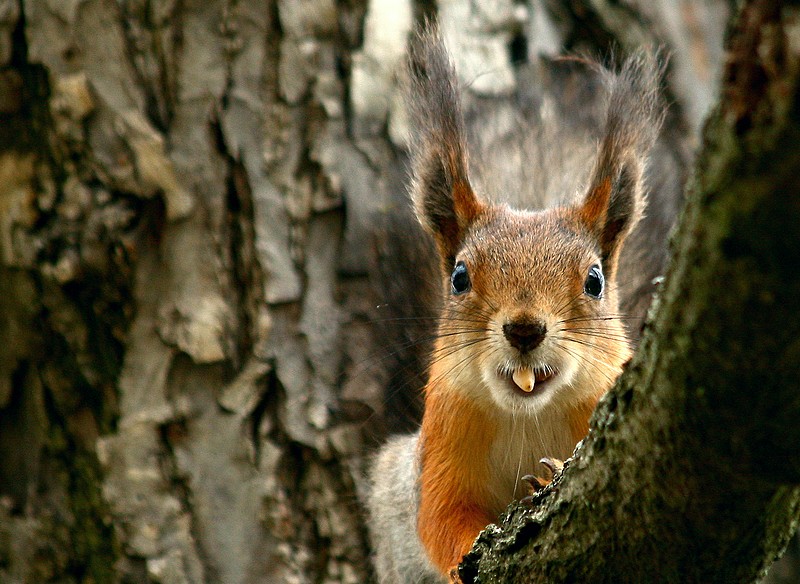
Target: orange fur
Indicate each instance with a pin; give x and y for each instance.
(455, 501)
(467, 204)
(466, 207)
(593, 212)
(578, 418)
(462, 488)
(456, 436)
(520, 305)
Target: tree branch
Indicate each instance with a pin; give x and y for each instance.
(691, 468)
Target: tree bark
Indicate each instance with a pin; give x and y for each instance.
(179, 299)
(691, 469)
(195, 233)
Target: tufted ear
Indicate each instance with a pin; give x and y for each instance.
(613, 206)
(443, 198)
(615, 199)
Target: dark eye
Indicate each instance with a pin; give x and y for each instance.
(459, 279)
(594, 282)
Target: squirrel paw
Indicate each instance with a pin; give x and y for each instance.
(454, 577)
(536, 484)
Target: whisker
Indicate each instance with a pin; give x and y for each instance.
(439, 355)
(614, 352)
(521, 451)
(612, 317)
(598, 334)
(589, 344)
(380, 356)
(433, 319)
(568, 303)
(446, 374)
(592, 363)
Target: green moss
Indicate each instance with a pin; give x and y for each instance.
(75, 541)
(94, 546)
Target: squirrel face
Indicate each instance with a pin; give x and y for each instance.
(529, 312)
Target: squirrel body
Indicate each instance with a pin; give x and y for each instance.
(530, 335)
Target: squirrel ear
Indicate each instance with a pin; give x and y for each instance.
(613, 206)
(615, 200)
(444, 200)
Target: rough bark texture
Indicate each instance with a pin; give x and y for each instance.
(703, 425)
(176, 294)
(193, 198)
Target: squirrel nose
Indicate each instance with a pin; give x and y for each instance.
(525, 336)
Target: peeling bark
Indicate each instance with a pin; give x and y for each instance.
(200, 204)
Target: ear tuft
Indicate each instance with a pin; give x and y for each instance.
(443, 198)
(615, 200)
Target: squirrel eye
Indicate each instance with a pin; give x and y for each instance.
(594, 282)
(459, 279)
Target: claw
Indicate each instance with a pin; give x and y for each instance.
(554, 465)
(535, 483)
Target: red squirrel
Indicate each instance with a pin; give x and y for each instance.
(530, 335)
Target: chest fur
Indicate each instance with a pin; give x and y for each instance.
(518, 445)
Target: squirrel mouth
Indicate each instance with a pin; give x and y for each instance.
(529, 381)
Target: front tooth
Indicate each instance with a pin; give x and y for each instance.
(525, 379)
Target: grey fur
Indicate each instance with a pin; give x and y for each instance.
(392, 505)
(438, 145)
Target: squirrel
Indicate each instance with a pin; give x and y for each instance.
(530, 335)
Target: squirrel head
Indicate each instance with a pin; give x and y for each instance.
(531, 308)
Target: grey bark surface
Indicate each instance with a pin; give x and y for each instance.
(193, 202)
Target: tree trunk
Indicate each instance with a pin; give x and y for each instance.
(691, 469)
(180, 299)
(195, 204)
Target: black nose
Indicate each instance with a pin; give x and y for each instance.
(525, 336)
